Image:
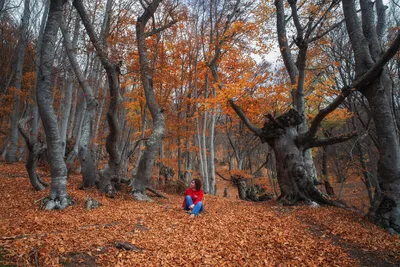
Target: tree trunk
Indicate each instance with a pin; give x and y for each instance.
(12, 152)
(328, 187)
(366, 173)
(58, 198)
(142, 142)
(65, 114)
(204, 144)
(387, 212)
(146, 163)
(112, 168)
(87, 159)
(365, 41)
(35, 149)
(72, 156)
(294, 183)
(212, 187)
(70, 89)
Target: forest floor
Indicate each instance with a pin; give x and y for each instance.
(229, 233)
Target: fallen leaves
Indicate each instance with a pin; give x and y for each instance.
(229, 233)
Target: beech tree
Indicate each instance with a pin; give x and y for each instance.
(282, 133)
(146, 163)
(58, 198)
(23, 39)
(113, 167)
(366, 37)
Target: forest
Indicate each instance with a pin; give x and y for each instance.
(287, 111)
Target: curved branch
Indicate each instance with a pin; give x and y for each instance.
(244, 118)
(358, 84)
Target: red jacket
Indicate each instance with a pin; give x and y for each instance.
(196, 196)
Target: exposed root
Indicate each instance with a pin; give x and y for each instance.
(56, 204)
(314, 198)
(156, 192)
(141, 196)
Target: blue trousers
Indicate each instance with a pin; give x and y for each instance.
(196, 209)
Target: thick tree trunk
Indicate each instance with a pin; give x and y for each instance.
(365, 40)
(146, 163)
(12, 152)
(58, 198)
(294, 182)
(386, 211)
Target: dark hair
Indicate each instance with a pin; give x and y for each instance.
(197, 184)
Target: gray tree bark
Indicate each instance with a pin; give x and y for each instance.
(204, 144)
(87, 159)
(69, 92)
(367, 54)
(146, 163)
(212, 186)
(12, 152)
(112, 168)
(35, 146)
(35, 149)
(142, 142)
(58, 198)
(297, 70)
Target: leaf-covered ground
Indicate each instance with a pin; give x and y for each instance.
(231, 232)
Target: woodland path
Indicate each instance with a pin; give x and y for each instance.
(230, 233)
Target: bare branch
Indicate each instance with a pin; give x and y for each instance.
(358, 84)
(160, 29)
(319, 36)
(330, 140)
(376, 69)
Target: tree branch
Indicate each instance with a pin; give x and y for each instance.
(358, 84)
(244, 118)
(160, 29)
(229, 180)
(90, 31)
(375, 70)
(319, 36)
(330, 140)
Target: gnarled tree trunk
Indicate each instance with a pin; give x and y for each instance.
(113, 166)
(146, 163)
(58, 198)
(35, 149)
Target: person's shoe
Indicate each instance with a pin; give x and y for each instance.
(192, 215)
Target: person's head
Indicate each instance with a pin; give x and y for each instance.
(195, 184)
